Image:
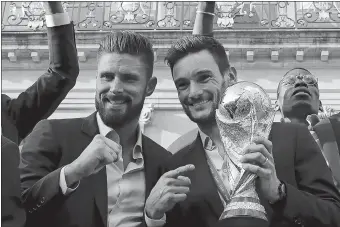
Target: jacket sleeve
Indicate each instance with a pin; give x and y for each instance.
(39, 173)
(12, 211)
(204, 22)
(41, 99)
(315, 201)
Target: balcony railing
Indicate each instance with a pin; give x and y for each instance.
(95, 16)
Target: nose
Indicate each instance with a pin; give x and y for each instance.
(195, 91)
(116, 85)
(300, 83)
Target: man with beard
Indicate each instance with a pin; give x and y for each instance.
(299, 103)
(97, 171)
(292, 191)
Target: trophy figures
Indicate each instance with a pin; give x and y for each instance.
(244, 112)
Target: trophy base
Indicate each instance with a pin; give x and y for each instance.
(242, 221)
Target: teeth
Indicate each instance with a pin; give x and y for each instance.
(199, 103)
(117, 102)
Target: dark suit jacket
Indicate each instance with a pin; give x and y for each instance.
(335, 121)
(55, 143)
(328, 132)
(39, 101)
(299, 163)
(12, 211)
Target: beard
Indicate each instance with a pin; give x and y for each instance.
(209, 116)
(118, 118)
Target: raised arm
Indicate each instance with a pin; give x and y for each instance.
(204, 19)
(41, 99)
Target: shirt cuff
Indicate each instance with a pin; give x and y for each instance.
(154, 223)
(62, 183)
(57, 19)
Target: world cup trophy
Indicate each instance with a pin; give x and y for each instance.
(245, 112)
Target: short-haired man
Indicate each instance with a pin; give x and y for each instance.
(298, 99)
(291, 189)
(97, 171)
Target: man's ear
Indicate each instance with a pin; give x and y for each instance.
(277, 107)
(232, 76)
(150, 88)
(320, 106)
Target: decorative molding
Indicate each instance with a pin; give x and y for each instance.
(146, 115)
(299, 55)
(35, 56)
(274, 56)
(324, 55)
(12, 56)
(82, 56)
(250, 56)
(155, 54)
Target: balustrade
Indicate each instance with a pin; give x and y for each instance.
(97, 16)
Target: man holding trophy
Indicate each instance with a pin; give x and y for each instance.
(248, 171)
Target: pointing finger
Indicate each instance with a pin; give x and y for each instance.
(180, 170)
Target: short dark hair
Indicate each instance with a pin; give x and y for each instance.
(288, 73)
(195, 43)
(126, 42)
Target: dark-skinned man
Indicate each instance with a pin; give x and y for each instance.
(298, 101)
(292, 190)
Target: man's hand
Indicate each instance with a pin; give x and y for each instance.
(170, 189)
(53, 7)
(259, 160)
(100, 152)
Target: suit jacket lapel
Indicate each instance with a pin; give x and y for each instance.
(150, 166)
(329, 145)
(203, 182)
(99, 181)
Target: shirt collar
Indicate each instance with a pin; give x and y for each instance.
(208, 144)
(138, 148)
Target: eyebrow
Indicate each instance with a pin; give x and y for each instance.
(202, 71)
(122, 73)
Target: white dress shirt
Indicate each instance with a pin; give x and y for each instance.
(215, 155)
(57, 19)
(216, 158)
(125, 188)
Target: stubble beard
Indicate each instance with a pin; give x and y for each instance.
(118, 119)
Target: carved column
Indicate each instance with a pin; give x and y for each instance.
(146, 115)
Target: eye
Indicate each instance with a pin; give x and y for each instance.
(107, 77)
(204, 78)
(130, 78)
(182, 85)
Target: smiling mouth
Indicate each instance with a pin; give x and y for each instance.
(301, 91)
(200, 103)
(115, 102)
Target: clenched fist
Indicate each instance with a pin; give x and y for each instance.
(100, 152)
(170, 189)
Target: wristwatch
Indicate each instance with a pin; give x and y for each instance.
(282, 193)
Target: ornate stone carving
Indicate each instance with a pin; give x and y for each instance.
(146, 114)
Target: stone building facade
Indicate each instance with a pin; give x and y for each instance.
(262, 39)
